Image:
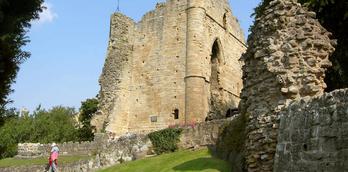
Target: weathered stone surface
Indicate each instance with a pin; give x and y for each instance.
(286, 60)
(32, 150)
(126, 148)
(202, 134)
(115, 79)
(183, 56)
(313, 135)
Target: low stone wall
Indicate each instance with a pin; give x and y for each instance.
(33, 150)
(80, 166)
(108, 152)
(126, 148)
(230, 145)
(202, 134)
(313, 135)
(131, 147)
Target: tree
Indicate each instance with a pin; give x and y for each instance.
(8, 114)
(15, 17)
(87, 110)
(333, 15)
(54, 125)
(42, 126)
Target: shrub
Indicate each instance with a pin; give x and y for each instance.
(165, 140)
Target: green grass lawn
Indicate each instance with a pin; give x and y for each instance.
(185, 161)
(10, 162)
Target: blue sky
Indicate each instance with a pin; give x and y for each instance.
(68, 47)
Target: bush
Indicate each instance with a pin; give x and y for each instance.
(165, 140)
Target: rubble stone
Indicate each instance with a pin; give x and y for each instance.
(286, 60)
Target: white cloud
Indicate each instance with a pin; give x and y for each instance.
(47, 15)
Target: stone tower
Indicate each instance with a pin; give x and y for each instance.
(179, 64)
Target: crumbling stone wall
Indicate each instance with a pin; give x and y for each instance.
(33, 150)
(286, 60)
(158, 71)
(313, 134)
(203, 134)
(123, 149)
(115, 80)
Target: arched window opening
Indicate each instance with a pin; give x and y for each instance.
(214, 65)
(216, 58)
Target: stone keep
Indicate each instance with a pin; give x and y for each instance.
(179, 64)
(286, 60)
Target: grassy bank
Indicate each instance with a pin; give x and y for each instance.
(188, 161)
(10, 162)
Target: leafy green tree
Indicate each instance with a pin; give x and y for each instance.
(88, 108)
(7, 114)
(55, 125)
(333, 15)
(15, 130)
(15, 17)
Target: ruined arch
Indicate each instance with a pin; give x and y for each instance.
(216, 60)
(216, 42)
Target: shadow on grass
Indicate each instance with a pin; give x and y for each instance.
(201, 164)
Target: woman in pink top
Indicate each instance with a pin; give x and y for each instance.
(53, 159)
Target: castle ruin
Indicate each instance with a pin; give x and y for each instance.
(287, 122)
(178, 65)
(288, 54)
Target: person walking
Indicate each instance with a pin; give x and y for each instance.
(53, 159)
